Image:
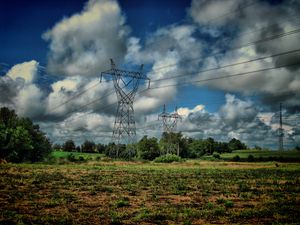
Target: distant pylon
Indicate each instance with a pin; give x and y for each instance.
(280, 131)
(169, 120)
(126, 85)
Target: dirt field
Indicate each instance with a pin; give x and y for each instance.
(193, 192)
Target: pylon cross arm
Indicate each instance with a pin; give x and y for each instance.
(125, 73)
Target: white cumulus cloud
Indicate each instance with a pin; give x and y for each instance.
(83, 43)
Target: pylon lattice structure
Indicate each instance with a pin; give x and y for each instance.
(126, 84)
(169, 120)
(280, 131)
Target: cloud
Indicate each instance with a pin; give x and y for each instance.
(237, 118)
(80, 127)
(59, 105)
(29, 101)
(26, 71)
(83, 43)
(212, 11)
(18, 90)
(9, 89)
(272, 86)
(171, 45)
(186, 111)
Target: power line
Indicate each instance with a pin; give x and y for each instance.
(230, 65)
(242, 46)
(224, 77)
(203, 80)
(248, 44)
(74, 96)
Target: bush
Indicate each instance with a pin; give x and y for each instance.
(236, 158)
(81, 159)
(122, 202)
(250, 158)
(216, 156)
(229, 204)
(71, 158)
(168, 158)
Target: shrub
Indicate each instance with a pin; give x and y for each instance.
(216, 156)
(168, 158)
(71, 157)
(210, 205)
(220, 200)
(81, 159)
(250, 158)
(229, 204)
(122, 202)
(236, 158)
(219, 211)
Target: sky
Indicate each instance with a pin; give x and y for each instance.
(226, 70)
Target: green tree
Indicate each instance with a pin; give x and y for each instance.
(57, 147)
(221, 147)
(88, 146)
(110, 149)
(100, 148)
(210, 144)
(148, 148)
(69, 146)
(41, 144)
(20, 139)
(196, 149)
(235, 144)
(173, 143)
(128, 152)
(20, 145)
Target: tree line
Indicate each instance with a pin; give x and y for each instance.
(22, 141)
(149, 148)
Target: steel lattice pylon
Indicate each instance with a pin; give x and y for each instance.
(280, 130)
(169, 120)
(126, 84)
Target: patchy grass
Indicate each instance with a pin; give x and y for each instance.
(257, 155)
(63, 157)
(191, 192)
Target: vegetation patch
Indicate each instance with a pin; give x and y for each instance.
(121, 192)
(168, 158)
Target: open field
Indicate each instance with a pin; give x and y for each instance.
(60, 155)
(260, 155)
(191, 192)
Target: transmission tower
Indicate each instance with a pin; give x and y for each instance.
(280, 131)
(169, 120)
(126, 84)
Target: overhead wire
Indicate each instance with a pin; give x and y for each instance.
(244, 45)
(230, 65)
(216, 53)
(225, 76)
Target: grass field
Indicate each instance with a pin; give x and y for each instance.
(260, 155)
(191, 192)
(86, 156)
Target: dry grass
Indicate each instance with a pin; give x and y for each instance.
(192, 192)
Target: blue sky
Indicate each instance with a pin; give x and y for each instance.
(59, 48)
(23, 22)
